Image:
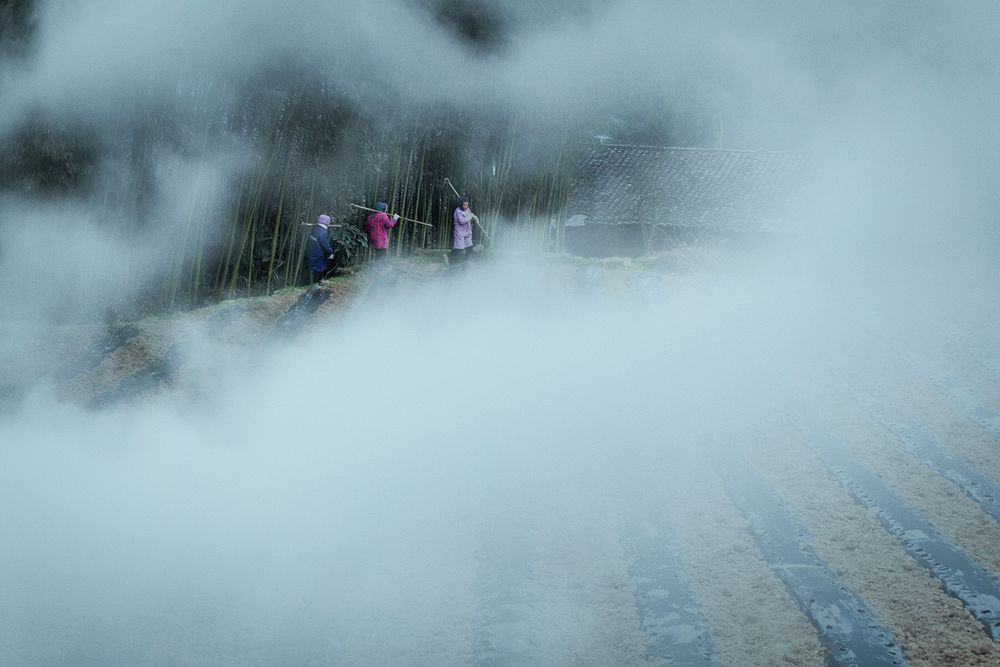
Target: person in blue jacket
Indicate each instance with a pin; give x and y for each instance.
(320, 251)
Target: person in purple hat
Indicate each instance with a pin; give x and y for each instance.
(320, 251)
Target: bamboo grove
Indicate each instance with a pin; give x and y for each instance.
(257, 162)
(313, 155)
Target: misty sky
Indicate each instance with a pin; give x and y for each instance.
(773, 62)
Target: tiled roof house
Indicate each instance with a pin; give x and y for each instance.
(625, 200)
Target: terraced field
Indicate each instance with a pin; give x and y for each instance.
(692, 472)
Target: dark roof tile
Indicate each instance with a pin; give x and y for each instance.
(689, 187)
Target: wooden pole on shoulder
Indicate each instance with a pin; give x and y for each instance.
(419, 222)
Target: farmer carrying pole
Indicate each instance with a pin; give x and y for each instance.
(475, 219)
(463, 218)
(377, 227)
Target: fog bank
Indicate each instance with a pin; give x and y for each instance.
(349, 495)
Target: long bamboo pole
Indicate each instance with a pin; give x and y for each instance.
(419, 222)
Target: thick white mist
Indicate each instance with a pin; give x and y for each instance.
(340, 493)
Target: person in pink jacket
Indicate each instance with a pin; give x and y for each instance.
(463, 218)
(377, 227)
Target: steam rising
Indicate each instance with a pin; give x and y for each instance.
(321, 505)
(340, 505)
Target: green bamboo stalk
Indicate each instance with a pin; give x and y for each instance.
(275, 233)
(303, 238)
(200, 240)
(223, 272)
(250, 221)
(183, 247)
